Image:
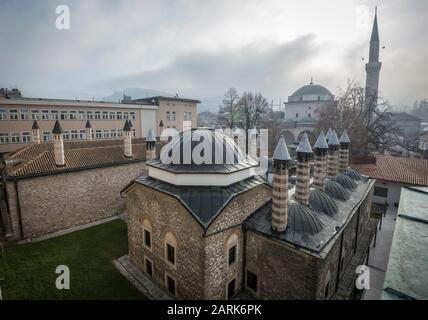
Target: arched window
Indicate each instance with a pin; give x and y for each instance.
(232, 250)
(147, 234)
(170, 249)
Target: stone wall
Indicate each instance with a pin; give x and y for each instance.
(55, 202)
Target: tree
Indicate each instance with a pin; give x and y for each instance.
(228, 113)
(370, 129)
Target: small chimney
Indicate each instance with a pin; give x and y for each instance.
(344, 151)
(333, 156)
(320, 165)
(58, 144)
(304, 152)
(35, 132)
(150, 146)
(88, 130)
(127, 139)
(281, 157)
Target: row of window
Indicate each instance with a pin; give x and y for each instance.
(35, 114)
(25, 137)
(171, 116)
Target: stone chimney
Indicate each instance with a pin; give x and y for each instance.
(333, 156)
(88, 130)
(58, 144)
(344, 151)
(150, 146)
(35, 132)
(320, 165)
(304, 152)
(127, 139)
(281, 157)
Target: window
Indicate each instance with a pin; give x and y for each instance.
(112, 115)
(81, 115)
(35, 115)
(54, 115)
(74, 135)
(232, 255)
(309, 115)
(148, 266)
(232, 250)
(170, 284)
(125, 116)
(66, 135)
(4, 138)
(97, 115)
(15, 137)
(45, 115)
(119, 115)
(133, 115)
(73, 115)
(13, 114)
(24, 114)
(133, 133)
(89, 115)
(297, 115)
(251, 281)
(106, 134)
(173, 116)
(119, 133)
(98, 134)
(46, 136)
(64, 115)
(168, 116)
(82, 134)
(381, 192)
(26, 137)
(170, 246)
(189, 116)
(113, 133)
(147, 234)
(105, 115)
(231, 288)
(3, 114)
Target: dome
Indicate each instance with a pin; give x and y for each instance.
(302, 219)
(353, 174)
(311, 92)
(321, 201)
(335, 190)
(345, 181)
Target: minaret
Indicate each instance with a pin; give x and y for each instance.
(88, 130)
(344, 151)
(304, 152)
(372, 70)
(281, 157)
(150, 146)
(58, 144)
(320, 165)
(127, 139)
(333, 157)
(35, 132)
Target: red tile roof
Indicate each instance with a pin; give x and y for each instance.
(396, 169)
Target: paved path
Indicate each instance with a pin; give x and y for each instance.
(379, 255)
(139, 280)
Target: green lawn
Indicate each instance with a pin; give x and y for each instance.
(28, 271)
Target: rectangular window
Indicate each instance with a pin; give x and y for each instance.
(170, 285)
(97, 115)
(148, 266)
(81, 115)
(113, 133)
(73, 115)
(119, 115)
(106, 134)
(3, 114)
(170, 254)
(89, 115)
(112, 115)
(173, 116)
(15, 137)
(133, 115)
(133, 133)
(231, 287)
(119, 133)
(381, 192)
(45, 114)
(147, 238)
(105, 115)
(35, 115)
(13, 114)
(168, 116)
(26, 137)
(54, 115)
(232, 255)
(82, 134)
(98, 134)
(64, 115)
(125, 116)
(46, 136)
(24, 114)
(66, 135)
(251, 281)
(4, 138)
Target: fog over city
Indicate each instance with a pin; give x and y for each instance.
(200, 48)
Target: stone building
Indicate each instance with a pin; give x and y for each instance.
(48, 187)
(214, 229)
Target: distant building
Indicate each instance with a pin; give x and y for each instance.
(9, 93)
(391, 174)
(423, 146)
(406, 276)
(409, 126)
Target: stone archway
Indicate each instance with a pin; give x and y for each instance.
(289, 137)
(311, 136)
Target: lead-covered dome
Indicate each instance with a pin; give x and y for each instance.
(322, 202)
(335, 190)
(302, 219)
(311, 92)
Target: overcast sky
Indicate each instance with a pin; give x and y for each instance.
(200, 48)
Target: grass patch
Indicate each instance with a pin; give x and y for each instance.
(28, 270)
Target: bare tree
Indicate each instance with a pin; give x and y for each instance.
(228, 113)
(370, 129)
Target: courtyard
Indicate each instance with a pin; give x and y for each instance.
(28, 271)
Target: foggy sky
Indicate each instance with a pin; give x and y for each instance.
(200, 48)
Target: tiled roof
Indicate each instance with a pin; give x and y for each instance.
(38, 159)
(396, 169)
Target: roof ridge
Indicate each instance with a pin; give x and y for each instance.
(29, 162)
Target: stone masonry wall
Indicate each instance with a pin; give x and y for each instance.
(56, 202)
